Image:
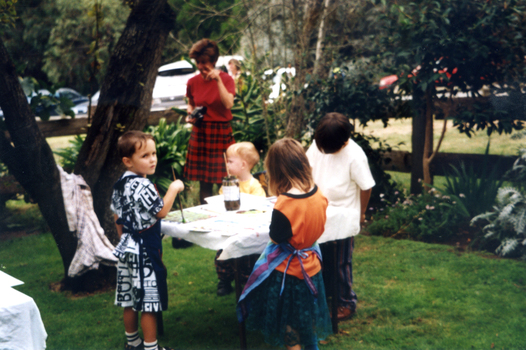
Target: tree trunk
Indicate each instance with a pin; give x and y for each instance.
(30, 159)
(303, 30)
(417, 142)
(428, 142)
(321, 37)
(124, 102)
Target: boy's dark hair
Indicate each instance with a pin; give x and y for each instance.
(332, 132)
(288, 166)
(205, 48)
(130, 141)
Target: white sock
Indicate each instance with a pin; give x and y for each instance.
(150, 346)
(133, 338)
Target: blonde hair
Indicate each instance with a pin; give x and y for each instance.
(287, 166)
(246, 151)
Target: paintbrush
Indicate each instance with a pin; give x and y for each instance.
(179, 198)
(226, 164)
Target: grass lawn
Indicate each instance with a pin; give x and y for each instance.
(411, 296)
(454, 142)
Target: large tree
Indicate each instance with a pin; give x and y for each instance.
(462, 46)
(124, 104)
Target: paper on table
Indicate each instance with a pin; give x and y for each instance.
(8, 281)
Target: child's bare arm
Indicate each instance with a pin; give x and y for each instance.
(364, 201)
(169, 198)
(119, 227)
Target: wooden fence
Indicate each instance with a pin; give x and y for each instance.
(79, 125)
(399, 161)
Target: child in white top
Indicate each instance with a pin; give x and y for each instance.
(341, 170)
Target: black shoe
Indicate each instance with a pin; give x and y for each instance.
(224, 288)
(129, 347)
(178, 243)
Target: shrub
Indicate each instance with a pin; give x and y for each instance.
(476, 191)
(70, 154)
(517, 174)
(505, 230)
(389, 189)
(507, 223)
(172, 145)
(428, 217)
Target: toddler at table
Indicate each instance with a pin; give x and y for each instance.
(241, 158)
(138, 208)
(341, 169)
(284, 297)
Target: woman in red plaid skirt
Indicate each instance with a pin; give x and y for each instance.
(214, 90)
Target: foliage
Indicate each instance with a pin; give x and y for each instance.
(385, 190)
(352, 92)
(253, 119)
(507, 223)
(70, 154)
(7, 12)
(171, 142)
(428, 217)
(505, 229)
(476, 190)
(217, 20)
(27, 41)
(463, 45)
(81, 40)
(517, 174)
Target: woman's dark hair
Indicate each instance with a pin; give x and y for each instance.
(287, 166)
(333, 131)
(205, 48)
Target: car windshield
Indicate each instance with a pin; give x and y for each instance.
(176, 71)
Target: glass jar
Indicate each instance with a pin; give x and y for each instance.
(231, 193)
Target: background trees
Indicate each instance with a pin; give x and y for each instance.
(442, 51)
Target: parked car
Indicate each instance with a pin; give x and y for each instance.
(170, 86)
(82, 108)
(46, 104)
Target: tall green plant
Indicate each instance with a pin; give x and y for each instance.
(254, 119)
(70, 154)
(476, 191)
(172, 145)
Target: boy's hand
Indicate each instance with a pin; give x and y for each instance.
(177, 186)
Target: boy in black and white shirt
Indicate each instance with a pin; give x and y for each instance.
(138, 208)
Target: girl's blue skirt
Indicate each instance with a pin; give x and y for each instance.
(295, 317)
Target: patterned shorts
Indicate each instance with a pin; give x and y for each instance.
(129, 284)
(205, 161)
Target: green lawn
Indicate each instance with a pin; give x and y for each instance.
(454, 142)
(412, 295)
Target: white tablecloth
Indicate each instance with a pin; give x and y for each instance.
(21, 327)
(245, 234)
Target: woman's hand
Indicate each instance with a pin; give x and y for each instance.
(213, 75)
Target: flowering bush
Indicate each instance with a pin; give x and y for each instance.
(429, 217)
